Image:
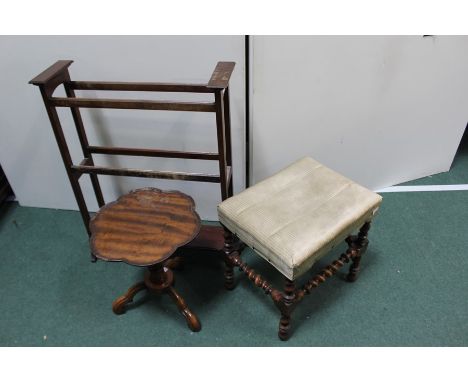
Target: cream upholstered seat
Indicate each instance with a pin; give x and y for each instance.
(296, 216)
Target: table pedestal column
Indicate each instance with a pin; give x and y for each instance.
(158, 279)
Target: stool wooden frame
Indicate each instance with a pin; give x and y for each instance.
(209, 237)
(287, 299)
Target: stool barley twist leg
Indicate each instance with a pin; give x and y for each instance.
(228, 250)
(360, 243)
(286, 307)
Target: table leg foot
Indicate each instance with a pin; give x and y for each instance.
(119, 306)
(192, 320)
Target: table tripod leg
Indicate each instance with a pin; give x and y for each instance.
(192, 320)
(120, 304)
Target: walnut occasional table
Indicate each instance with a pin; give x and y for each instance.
(145, 228)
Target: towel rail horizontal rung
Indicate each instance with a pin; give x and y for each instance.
(153, 153)
(98, 170)
(133, 104)
(141, 86)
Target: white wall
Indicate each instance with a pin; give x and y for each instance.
(381, 110)
(29, 154)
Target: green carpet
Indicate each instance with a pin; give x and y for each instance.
(412, 290)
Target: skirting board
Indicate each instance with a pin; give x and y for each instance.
(450, 187)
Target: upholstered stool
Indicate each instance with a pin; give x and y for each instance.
(292, 219)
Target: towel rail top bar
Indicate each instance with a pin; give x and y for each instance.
(141, 87)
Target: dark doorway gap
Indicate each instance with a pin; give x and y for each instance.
(462, 150)
(5, 189)
(247, 111)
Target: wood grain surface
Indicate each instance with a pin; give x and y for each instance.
(144, 227)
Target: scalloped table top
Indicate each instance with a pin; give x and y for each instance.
(144, 227)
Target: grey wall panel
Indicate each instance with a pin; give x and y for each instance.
(28, 151)
(381, 110)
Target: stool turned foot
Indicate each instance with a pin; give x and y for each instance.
(360, 243)
(119, 306)
(192, 320)
(229, 268)
(284, 326)
(286, 306)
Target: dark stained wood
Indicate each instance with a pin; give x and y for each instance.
(175, 262)
(158, 279)
(327, 272)
(85, 162)
(84, 144)
(150, 229)
(210, 238)
(286, 306)
(51, 72)
(221, 75)
(146, 173)
(235, 260)
(55, 82)
(227, 134)
(119, 306)
(57, 74)
(144, 227)
(229, 180)
(228, 250)
(153, 153)
(360, 242)
(221, 134)
(287, 300)
(141, 87)
(192, 320)
(103, 103)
